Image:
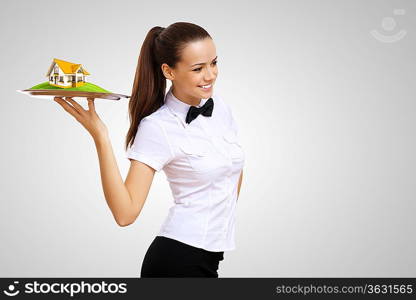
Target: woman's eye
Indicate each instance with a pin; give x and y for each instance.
(199, 69)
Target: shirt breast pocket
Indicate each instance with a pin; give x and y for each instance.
(197, 157)
(234, 147)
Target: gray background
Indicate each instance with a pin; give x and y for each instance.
(327, 120)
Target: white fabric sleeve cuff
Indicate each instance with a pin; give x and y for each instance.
(144, 159)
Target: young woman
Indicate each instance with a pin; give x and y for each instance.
(189, 133)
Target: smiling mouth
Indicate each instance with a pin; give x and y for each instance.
(205, 87)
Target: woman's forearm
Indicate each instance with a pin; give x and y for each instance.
(115, 191)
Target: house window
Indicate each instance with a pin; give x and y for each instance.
(61, 79)
(51, 78)
(56, 69)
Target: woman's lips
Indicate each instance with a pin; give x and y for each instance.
(205, 89)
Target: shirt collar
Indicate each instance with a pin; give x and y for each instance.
(178, 107)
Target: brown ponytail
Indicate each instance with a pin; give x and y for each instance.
(161, 45)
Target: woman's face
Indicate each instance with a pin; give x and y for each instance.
(197, 67)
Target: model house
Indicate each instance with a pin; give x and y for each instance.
(65, 74)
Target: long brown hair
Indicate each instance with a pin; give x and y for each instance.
(161, 45)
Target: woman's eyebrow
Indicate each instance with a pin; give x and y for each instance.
(204, 63)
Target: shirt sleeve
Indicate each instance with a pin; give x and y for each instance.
(151, 145)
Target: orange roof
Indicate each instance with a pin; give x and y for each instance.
(68, 67)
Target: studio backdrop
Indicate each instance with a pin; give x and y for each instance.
(324, 96)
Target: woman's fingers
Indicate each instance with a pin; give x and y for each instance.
(88, 118)
(69, 108)
(91, 104)
(75, 104)
(78, 107)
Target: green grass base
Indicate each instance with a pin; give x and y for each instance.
(87, 87)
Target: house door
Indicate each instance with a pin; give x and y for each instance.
(54, 79)
(73, 81)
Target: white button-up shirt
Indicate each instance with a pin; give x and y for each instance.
(202, 161)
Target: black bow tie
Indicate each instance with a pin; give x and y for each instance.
(205, 110)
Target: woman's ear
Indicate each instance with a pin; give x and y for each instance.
(167, 71)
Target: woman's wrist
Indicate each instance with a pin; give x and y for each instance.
(101, 138)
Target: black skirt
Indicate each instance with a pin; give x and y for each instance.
(167, 257)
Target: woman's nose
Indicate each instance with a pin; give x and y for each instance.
(209, 75)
